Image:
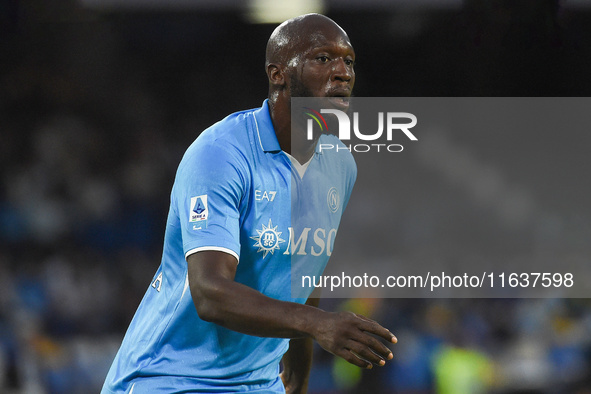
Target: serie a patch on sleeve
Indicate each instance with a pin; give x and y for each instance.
(198, 212)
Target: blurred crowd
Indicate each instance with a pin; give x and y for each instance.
(95, 112)
(81, 222)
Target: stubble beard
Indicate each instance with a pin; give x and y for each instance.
(299, 141)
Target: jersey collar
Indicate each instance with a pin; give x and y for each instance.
(265, 130)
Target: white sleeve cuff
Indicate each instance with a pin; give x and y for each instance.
(216, 248)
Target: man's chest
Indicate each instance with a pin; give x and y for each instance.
(292, 215)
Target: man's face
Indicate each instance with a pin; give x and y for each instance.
(322, 66)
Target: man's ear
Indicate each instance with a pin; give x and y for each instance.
(275, 74)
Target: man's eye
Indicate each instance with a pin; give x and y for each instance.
(349, 62)
(323, 59)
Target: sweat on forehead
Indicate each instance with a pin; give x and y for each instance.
(295, 34)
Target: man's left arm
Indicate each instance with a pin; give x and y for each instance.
(297, 361)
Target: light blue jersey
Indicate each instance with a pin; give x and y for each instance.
(235, 191)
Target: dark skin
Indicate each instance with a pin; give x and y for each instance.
(316, 61)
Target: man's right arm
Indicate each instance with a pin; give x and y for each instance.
(221, 300)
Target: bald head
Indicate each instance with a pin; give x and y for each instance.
(307, 56)
(294, 36)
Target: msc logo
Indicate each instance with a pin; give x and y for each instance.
(318, 242)
(323, 242)
(267, 239)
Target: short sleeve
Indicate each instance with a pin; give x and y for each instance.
(207, 193)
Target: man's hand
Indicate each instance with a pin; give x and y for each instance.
(351, 336)
(297, 361)
(221, 300)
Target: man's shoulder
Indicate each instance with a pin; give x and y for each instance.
(227, 144)
(231, 134)
(233, 127)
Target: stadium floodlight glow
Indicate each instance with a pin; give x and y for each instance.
(273, 11)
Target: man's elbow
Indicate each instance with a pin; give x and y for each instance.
(208, 306)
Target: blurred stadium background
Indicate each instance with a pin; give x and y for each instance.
(99, 99)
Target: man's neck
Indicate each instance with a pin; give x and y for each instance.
(300, 148)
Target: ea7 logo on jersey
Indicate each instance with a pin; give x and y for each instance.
(264, 195)
(199, 211)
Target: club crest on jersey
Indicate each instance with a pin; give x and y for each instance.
(333, 199)
(267, 239)
(199, 210)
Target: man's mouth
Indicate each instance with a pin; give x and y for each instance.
(340, 101)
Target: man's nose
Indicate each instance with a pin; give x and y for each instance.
(341, 71)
